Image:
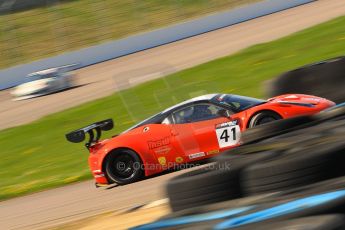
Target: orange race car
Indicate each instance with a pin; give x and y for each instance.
(193, 130)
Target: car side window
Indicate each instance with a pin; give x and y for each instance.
(195, 113)
(166, 121)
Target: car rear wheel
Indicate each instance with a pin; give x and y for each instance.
(123, 167)
(263, 118)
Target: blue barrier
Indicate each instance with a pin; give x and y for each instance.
(174, 222)
(283, 209)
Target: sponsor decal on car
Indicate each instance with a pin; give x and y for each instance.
(226, 124)
(196, 155)
(179, 160)
(213, 152)
(158, 143)
(163, 150)
(162, 160)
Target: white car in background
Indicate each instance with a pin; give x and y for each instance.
(44, 82)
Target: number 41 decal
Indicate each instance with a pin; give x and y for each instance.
(228, 136)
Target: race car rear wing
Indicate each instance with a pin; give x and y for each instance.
(94, 130)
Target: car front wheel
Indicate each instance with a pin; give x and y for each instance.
(263, 118)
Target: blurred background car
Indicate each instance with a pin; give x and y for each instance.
(44, 82)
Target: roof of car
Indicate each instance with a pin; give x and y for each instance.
(63, 68)
(44, 72)
(206, 97)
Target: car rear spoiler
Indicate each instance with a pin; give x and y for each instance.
(94, 130)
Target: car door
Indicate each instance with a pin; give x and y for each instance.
(53, 82)
(60, 80)
(160, 143)
(200, 130)
(65, 80)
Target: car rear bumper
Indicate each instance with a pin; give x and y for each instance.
(100, 177)
(19, 98)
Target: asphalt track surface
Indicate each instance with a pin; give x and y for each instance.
(81, 200)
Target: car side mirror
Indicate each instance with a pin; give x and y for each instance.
(224, 113)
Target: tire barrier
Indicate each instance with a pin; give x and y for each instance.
(202, 186)
(298, 166)
(294, 158)
(336, 112)
(274, 128)
(215, 183)
(325, 79)
(290, 172)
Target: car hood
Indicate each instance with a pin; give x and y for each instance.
(31, 87)
(296, 98)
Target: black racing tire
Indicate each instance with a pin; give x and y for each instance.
(123, 166)
(263, 117)
(306, 80)
(243, 156)
(319, 222)
(331, 113)
(214, 183)
(310, 130)
(202, 186)
(329, 185)
(313, 162)
(276, 144)
(275, 128)
(285, 141)
(233, 204)
(332, 127)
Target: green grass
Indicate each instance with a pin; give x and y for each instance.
(44, 32)
(37, 156)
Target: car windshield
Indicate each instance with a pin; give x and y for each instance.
(34, 77)
(237, 103)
